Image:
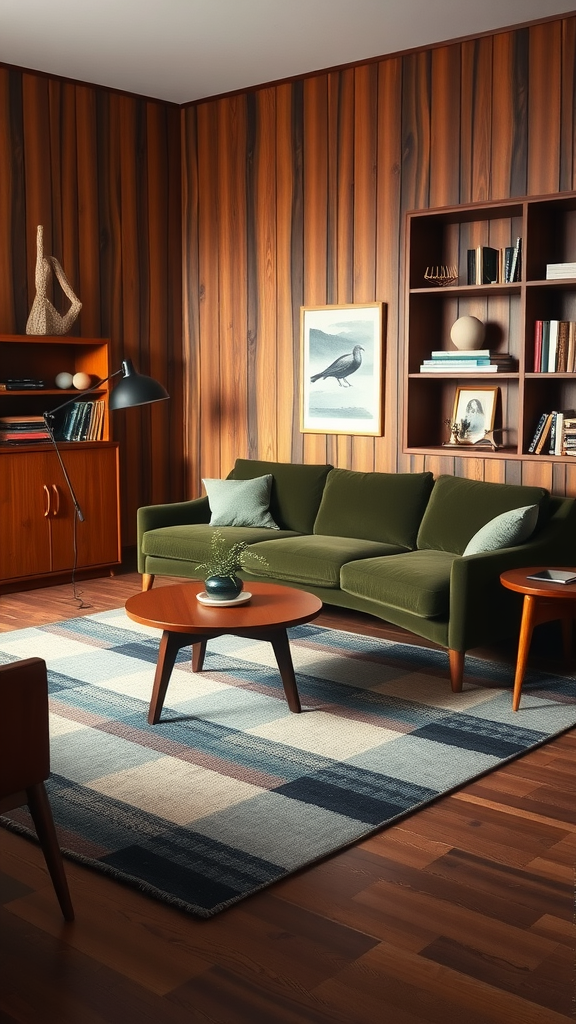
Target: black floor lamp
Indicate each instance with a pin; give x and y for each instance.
(133, 389)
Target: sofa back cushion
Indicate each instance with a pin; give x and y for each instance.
(296, 490)
(459, 507)
(385, 507)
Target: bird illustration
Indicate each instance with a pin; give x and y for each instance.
(342, 367)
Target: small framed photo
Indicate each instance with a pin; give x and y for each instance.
(341, 369)
(475, 411)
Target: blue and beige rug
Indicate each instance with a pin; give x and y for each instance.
(230, 791)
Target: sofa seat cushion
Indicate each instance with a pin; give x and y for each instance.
(385, 507)
(193, 543)
(416, 581)
(314, 560)
(459, 507)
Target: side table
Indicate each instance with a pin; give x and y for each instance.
(543, 602)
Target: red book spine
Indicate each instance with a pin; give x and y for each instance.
(537, 346)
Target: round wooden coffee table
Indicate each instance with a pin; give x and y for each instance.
(184, 621)
(543, 602)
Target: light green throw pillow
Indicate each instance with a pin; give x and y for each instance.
(504, 531)
(240, 502)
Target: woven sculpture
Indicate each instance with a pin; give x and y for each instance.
(43, 318)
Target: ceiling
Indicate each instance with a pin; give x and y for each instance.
(183, 50)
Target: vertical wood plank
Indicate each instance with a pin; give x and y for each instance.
(315, 217)
(289, 274)
(233, 332)
(388, 254)
(544, 110)
(7, 192)
(416, 131)
(510, 121)
(209, 318)
(190, 366)
(476, 120)
(568, 98)
(445, 127)
(82, 105)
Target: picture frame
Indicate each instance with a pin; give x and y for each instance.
(475, 405)
(341, 369)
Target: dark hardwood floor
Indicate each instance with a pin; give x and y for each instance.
(463, 912)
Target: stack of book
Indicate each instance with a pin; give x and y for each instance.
(478, 361)
(22, 429)
(22, 384)
(487, 265)
(560, 271)
(554, 346)
(82, 421)
(555, 434)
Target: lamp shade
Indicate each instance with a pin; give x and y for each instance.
(135, 389)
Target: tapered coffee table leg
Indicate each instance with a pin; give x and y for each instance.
(281, 646)
(526, 627)
(170, 644)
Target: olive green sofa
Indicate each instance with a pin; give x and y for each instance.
(390, 544)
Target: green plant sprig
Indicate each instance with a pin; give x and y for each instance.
(227, 559)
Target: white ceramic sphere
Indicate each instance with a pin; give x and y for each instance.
(467, 333)
(81, 381)
(63, 380)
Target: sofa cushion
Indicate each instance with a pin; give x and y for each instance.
(240, 502)
(296, 490)
(314, 560)
(459, 507)
(504, 531)
(384, 507)
(193, 543)
(416, 581)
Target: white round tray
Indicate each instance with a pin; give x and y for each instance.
(204, 598)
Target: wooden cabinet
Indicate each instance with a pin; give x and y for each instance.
(41, 535)
(547, 227)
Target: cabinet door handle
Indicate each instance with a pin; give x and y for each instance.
(56, 494)
(47, 505)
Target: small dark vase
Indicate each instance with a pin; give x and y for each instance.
(223, 588)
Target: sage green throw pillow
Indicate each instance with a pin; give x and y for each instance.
(504, 531)
(240, 502)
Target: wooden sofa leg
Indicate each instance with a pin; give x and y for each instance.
(147, 581)
(456, 659)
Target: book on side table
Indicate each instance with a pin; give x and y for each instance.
(553, 576)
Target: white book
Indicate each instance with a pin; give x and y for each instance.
(559, 436)
(555, 271)
(552, 345)
(460, 370)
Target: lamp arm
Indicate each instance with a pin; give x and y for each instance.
(47, 421)
(88, 391)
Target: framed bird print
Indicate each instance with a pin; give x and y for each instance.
(342, 369)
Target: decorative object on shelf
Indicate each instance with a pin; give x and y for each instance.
(467, 333)
(134, 389)
(458, 430)
(341, 369)
(81, 381)
(223, 563)
(64, 380)
(44, 318)
(442, 276)
(489, 440)
(476, 407)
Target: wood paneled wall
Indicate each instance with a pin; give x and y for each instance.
(101, 171)
(296, 193)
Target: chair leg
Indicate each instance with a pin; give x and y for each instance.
(42, 817)
(147, 581)
(456, 659)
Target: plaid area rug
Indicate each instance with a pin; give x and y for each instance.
(230, 791)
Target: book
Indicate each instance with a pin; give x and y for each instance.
(545, 434)
(552, 346)
(515, 269)
(537, 433)
(553, 576)
(556, 271)
(477, 353)
(488, 265)
(537, 346)
(464, 361)
(508, 254)
(471, 266)
(562, 347)
(571, 353)
(451, 368)
(545, 343)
